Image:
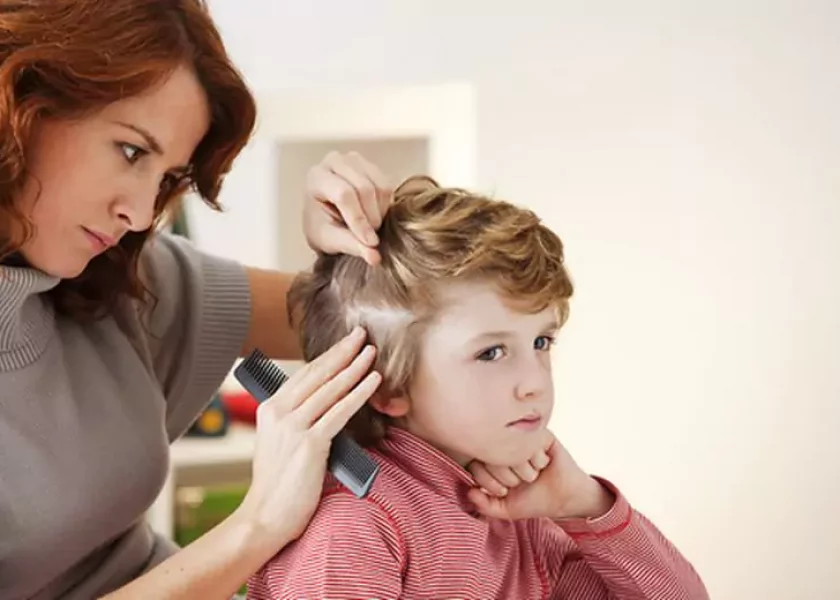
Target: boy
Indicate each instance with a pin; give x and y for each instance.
(463, 311)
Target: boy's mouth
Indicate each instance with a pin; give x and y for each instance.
(529, 422)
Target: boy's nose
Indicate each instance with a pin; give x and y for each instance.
(534, 381)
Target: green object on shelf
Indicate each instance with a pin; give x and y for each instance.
(200, 509)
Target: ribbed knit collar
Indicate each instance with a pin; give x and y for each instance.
(27, 318)
(430, 466)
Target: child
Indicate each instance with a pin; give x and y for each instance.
(463, 311)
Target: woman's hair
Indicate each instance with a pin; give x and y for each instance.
(429, 237)
(70, 58)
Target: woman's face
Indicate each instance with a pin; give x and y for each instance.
(97, 178)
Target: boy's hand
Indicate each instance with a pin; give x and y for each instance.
(550, 484)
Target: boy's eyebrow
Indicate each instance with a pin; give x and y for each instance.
(551, 326)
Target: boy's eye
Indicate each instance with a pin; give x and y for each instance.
(131, 152)
(544, 342)
(491, 354)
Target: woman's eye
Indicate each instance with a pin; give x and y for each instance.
(131, 152)
(491, 354)
(544, 342)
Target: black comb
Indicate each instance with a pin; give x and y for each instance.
(348, 462)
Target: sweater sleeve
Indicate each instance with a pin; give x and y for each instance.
(196, 325)
(351, 549)
(619, 556)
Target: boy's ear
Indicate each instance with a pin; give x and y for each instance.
(395, 406)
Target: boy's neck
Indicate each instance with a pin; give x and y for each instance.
(461, 459)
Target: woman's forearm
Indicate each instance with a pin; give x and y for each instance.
(269, 329)
(213, 566)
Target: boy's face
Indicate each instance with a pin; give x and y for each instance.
(483, 388)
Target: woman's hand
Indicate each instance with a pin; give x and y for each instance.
(294, 432)
(346, 199)
(550, 484)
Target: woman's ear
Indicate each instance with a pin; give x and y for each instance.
(394, 406)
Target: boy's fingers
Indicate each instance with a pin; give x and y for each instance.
(485, 480)
(526, 472)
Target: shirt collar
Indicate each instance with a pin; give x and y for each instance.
(26, 315)
(428, 465)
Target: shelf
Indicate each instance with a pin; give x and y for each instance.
(235, 447)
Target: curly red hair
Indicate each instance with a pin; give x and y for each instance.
(68, 58)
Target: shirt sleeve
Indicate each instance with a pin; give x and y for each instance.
(196, 324)
(619, 556)
(351, 549)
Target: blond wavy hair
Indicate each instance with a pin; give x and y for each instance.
(431, 235)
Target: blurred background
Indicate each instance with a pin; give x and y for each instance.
(687, 153)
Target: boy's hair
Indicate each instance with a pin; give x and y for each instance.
(429, 236)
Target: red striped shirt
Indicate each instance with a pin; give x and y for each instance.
(416, 535)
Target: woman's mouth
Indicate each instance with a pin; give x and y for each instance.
(100, 242)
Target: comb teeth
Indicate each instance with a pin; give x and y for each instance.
(260, 376)
(351, 465)
(348, 462)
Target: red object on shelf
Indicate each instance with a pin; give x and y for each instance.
(241, 407)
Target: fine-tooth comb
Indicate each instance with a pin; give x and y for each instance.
(348, 462)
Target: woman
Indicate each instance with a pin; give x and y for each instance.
(112, 338)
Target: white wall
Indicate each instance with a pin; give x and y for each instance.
(688, 154)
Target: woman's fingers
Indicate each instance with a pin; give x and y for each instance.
(346, 199)
(360, 192)
(328, 186)
(336, 388)
(384, 190)
(315, 374)
(340, 413)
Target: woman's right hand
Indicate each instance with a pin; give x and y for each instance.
(294, 431)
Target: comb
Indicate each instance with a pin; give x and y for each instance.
(348, 462)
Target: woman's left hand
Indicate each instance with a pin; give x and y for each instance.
(550, 484)
(346, 199)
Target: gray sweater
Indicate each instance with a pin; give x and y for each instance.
(87, 414)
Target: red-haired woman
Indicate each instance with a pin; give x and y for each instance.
(114, 337)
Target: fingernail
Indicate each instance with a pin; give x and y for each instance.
(372, 238)
(504, 491)
(484, 491)
(357, 333)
